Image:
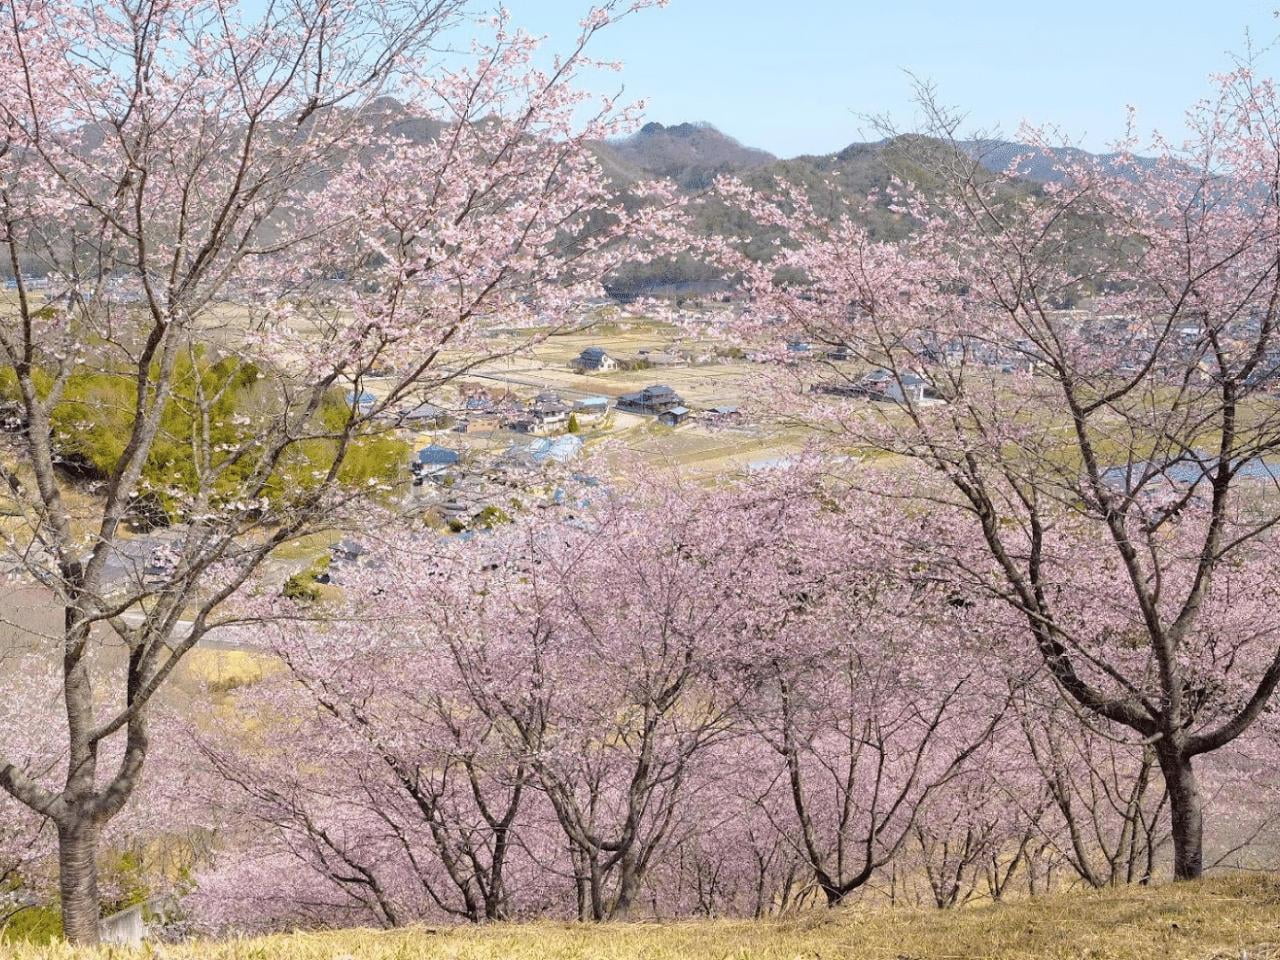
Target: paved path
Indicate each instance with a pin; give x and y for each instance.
(526, 382)
(232, 637)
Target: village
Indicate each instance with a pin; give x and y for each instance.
(507, 436)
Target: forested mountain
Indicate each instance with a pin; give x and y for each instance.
(691, 154)
(694, 154)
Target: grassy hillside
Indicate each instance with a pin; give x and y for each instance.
(1218, 919)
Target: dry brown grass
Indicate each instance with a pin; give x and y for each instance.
(1233, 917)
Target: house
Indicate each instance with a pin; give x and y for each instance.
(162, 563)
(904, 387)
(465, 501)
(347, 550)
(362, 403)
(150, 559)
(458, 509)
(558, 450)
(345, 556)
(723, 415)
(841, 352)
(547, 413)
(955, 353)
(541, 453)
(1027, 357)
(479, 401)
(480, 423)
(594, 360)
(433, 461)
(653, 400)
(663, 358)
(425, 416)
(799, 349)
(675, 416)
(591, 408)
(840, 387)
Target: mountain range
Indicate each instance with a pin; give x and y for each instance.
(694, 154)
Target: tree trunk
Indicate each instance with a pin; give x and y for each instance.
(628, 886)
(835, 896)
(78, 880)
(1185, 814)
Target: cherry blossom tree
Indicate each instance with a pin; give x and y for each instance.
(25, 838)
(219, 218)
(375, 777)
(971, 839)
(666, 679)
(1085, 370)
(595, 646)
(733, 856)
(1104, 815)
(872, 707)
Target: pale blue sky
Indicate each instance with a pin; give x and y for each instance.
(795, 76)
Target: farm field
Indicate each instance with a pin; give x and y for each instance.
(1227, 918)
(701, 452)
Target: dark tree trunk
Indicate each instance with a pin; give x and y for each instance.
(1185, 814)
(78, 880)
(628, 885)
(835, 896)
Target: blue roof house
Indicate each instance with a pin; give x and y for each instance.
(434, 460)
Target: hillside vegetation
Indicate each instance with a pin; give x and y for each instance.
(1232, 917)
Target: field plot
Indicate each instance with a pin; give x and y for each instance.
(691, 368)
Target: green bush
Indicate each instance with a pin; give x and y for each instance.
(304, 586)
(93, 421)
(490, 517)
(35, 925)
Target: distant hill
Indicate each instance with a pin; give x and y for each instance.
(691, 154)
(1040, 165)
(859, 171)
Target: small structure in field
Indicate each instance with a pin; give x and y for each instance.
(594, 360)
(363, 402)
(425, 416)
(663, 358)
(653, 400)
(904, 387)
(127, 928)
(723, 415)
(591, 409)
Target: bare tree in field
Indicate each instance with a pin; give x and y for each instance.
(218, 221)
(1087, 370)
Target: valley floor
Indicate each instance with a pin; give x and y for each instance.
(1233, 918)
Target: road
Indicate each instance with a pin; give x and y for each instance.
(216, 638)
(518, 381)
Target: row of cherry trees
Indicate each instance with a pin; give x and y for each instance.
(1023, 661)
(1086, 370)
(295, 197)
(675, 702)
